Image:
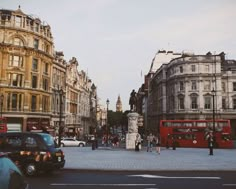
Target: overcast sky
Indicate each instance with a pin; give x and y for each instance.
(115, 40)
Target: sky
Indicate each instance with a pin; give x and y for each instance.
(114, 41)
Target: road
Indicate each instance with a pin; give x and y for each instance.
(73, 179)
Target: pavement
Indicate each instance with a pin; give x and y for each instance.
(121, 159)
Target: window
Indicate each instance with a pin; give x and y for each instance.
(30, 142)
(207, 104)
(16, 61)
(194, 85)
(223, 103)
(45, 103)
(18, 21)
(37, 27)
(194, 102)
(207, 85)
(45, 84)
(35, 64)
(181, 103)
(181, 69)
(17, 41)
(46, 68)
(234, 103)
(36, 43)
(14, 141)
(181, 85)
(234, 86)
(15, 79)
(193, 68)
(207, 68)
(33, 103)
(14, 101)
(34, 81)
(46, 48)
(223, 86)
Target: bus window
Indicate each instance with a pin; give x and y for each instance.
(226, 137)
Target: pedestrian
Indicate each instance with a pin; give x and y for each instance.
(137, 142)
(158, 143)
(210, 143)
(150, 139)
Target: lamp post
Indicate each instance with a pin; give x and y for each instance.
(212, 136)
(1, 99)
(107, 123)
(60, 117)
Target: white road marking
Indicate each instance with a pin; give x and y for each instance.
(75, 184)
(165, 177)
(229, 184)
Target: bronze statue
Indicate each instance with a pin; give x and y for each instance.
(133, 100)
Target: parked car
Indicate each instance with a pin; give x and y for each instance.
(72, 142)
(32, 152)
(10, 176)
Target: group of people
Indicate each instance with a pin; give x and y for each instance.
(153, 141)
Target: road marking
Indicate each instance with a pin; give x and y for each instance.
(165, 177)
(229, 184)
(75, 184)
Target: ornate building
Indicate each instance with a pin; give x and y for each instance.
(185, 88)
(40, 91)
(58, 91)
(119, 105)
(26, 59)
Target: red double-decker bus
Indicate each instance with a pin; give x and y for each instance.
(193, 133)
(3, 125)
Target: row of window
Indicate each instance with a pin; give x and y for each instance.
(16, 80)
(194, 103)
(22, 22)
(17, 61)
(181, 69)
(15, 102)
(207, 85)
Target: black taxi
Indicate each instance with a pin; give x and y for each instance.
(32, 152)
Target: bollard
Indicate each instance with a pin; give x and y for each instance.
(93, 145)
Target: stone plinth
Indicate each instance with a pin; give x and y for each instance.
(132, 130)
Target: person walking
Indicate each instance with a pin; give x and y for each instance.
(158, 143)
(150, 138)
(137, 142)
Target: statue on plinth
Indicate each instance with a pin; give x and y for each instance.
(133, 101)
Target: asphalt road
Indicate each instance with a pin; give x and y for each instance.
(74, 179)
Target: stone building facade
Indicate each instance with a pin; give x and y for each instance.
(41, 91)
(184, 89)
(26, 59)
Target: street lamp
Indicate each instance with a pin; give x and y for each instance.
(61, 92)
(212, 137)
(2, 98)
(107, 122)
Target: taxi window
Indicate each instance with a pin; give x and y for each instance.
(13, 141)
(30, 142)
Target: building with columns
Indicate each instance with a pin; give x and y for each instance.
(40, 90)
(26, 61)
(185, 87)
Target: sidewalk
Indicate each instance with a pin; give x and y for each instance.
(120, 159)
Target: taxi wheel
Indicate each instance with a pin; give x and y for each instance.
(30, 169)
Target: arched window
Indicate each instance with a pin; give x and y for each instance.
(17, 41)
